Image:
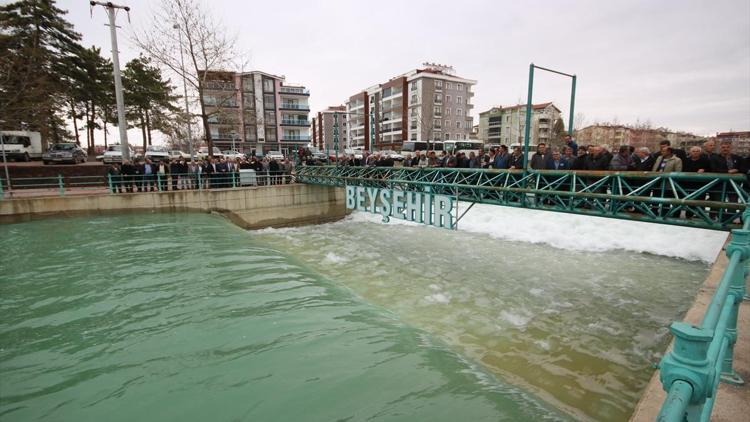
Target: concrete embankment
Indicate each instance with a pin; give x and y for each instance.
(250, 208)
(732, 402)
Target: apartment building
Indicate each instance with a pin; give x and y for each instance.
(429, 103)
(322, 128)
(740, 141)
(507, 125)
(256, 111)
(616, 135)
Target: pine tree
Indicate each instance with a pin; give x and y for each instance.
(35, 43)
(148, 96)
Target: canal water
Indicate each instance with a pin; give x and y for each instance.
(187, 317)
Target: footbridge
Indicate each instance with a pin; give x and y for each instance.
(705, 200)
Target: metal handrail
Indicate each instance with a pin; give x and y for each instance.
(703, 355)
(156, 182)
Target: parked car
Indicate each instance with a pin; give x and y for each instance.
(393, 155)
(113, 154)
(203, 153)
(233, 154)
(177, 154)
(157, 153)
(64, 153)
(275, 155)
(21, 145)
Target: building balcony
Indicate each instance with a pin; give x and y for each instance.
(288, 90)
(287, 106)
(295, 138)
(390, 130)
(219, 86)
(294, 122)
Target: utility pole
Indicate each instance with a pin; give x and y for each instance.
(184, 87)
(122, 124)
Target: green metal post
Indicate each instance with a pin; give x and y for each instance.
(200, 182)
(572, 107)
(158, 182)
(740, 242)
(61, 184)
(527, 129)
(2, 193)
(109, 182)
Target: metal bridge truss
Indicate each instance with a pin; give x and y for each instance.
(712, 201)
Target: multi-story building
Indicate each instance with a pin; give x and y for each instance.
(429, 103)
(323, 127)
(507, 125)
(256, 111)
(740, 141)
(615, 135)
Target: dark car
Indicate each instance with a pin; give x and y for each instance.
(64, 153)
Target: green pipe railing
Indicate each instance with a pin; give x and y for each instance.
(61, 185)
(703, 355)
(713, 201)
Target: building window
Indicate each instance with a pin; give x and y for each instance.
(270, 117)
(268, 85)
(459, 112)
(459, 100)
(448, 85)
(436, 123)
(413, 136)
(447, 136)
(460, 87)
(438, 84)
(251, 133)
(458, 124)
(507, 119)
(438, 98)
(271, 134)
(413, 86)
(447, 98)
(437, 110)
(414, 98)
(269, 101)
(447, 124)
(448, 111)
(413, 124)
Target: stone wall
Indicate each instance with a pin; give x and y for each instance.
(250, 208)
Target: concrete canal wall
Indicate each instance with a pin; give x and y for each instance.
(732, 402)
(250, 208)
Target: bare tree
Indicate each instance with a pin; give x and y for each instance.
(579, 120)
(184, 26)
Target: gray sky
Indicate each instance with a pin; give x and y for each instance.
(684, 65)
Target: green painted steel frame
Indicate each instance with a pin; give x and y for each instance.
(703, 355)
(638, 196)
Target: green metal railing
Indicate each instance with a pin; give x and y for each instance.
(62, 185)
(703, 355)
(713, 201)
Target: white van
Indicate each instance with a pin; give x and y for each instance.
(21, 145)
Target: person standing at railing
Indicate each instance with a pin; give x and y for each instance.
(571, 143)
(210, 172)
(516, 161)
(667, 162)
(162, 175)
(539, 159)
(502, 158)
(148, 181)
(557, 162)
(175, 169)
(114, 173)
(128, 175)
(569, 155)
(696, 162)
(194, 171)
(622, 160)
(726, 162)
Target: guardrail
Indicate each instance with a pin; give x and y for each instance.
(708, 200)
(703, 355)
(24, 187)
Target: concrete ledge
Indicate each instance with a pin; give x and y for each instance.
(250, 208)
(732, 403)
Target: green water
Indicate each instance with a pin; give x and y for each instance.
(188, 318)
(579, 329)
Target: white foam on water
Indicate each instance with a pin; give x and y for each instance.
(438, 298)
(514, 319)
(335, 259)
(581, 232)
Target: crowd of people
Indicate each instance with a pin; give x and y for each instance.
(573, 157)
(180, 174)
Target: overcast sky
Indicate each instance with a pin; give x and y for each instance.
(684, 65)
